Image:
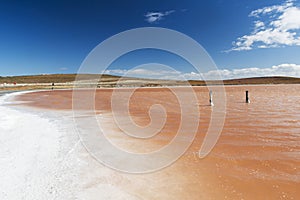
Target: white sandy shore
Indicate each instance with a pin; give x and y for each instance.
(41, 157)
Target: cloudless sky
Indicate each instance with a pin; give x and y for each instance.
(39, 37)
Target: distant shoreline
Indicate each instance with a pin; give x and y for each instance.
(66, 81)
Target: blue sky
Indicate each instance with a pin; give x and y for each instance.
(244, 38)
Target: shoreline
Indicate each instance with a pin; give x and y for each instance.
(66, 171)
(71, 87)
(34, 148)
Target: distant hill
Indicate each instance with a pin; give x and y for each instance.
(253, 80)
(264, 80)
(47, 78)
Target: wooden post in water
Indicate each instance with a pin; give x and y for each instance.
(211, 103)
(247, 97)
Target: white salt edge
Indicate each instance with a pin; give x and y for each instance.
(37, 163)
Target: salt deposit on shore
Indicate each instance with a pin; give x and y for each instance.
(33, 157)
(41, 157)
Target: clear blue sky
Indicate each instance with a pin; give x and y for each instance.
(244, 38)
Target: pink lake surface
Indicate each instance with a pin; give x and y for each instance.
(256, 157)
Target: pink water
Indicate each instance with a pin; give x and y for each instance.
(256, 157)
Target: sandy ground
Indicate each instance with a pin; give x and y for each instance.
(256, 157)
